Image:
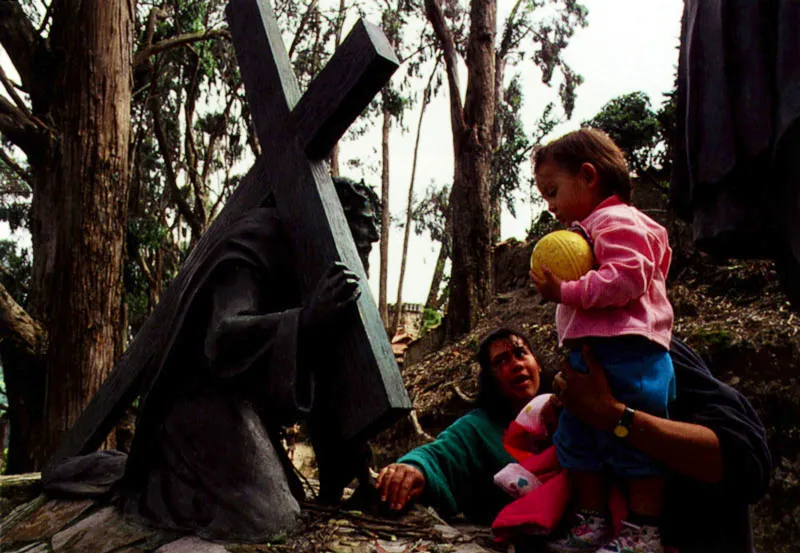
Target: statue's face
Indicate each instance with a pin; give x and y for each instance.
(364, 227)
(362, 209)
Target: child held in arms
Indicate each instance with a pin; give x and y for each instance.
(621, 311)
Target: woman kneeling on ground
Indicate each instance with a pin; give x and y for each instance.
(714, 446)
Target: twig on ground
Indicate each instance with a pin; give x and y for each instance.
(418, 427)
(464, 397)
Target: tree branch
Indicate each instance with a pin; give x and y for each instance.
(12, 91)
(48, 14)
(20, 40)
(142, 262)
(301, 27)
(21, 173)
(150, 29)
(433, 11)
(190, 146)
(418, 427)
(214, 136)
(416, 52)
(506, 43)
(24, 131)
(175, 42)
(19, 327)
(172, 181)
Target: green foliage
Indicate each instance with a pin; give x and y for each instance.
(513, 147)
(430, 213)
(552, 34)
(430, 319)
(15, 270)
(646, 136)
(545, 224)
(667, 124)
(15, 192)
(632, 124)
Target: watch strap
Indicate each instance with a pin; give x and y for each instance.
(623, 426)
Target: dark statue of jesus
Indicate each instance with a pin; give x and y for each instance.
(243, 357)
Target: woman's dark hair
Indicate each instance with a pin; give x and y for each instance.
(588, 145)
(490, 398)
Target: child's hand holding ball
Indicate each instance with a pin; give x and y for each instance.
(557, 257)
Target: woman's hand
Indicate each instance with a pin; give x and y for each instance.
(399, 483)
(588, 395)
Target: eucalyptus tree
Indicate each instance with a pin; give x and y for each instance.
(535, 29)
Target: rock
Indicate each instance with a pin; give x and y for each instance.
(191, 544)
(447, 532)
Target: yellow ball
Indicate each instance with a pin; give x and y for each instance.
(567, 254)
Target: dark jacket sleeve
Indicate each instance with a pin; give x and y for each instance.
(243, 338)
(704, 400)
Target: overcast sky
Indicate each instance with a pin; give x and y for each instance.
(628, 46)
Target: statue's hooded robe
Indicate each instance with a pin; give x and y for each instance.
(736, 174)
(221, 379)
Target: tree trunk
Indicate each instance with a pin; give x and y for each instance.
(77, 265)
(497, 131)
(398, 317)
(471, 278)
(337, 40)
(385, 215)
(334, 161)
(433, 302)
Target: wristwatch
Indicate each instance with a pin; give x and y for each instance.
(623, 427)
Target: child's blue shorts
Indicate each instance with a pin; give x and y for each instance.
(640, 375)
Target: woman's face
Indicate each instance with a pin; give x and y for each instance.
(515, 368)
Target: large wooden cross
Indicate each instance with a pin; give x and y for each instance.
(295, 134)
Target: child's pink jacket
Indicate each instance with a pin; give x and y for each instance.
(627, 293)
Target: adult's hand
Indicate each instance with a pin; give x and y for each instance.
(690, 449)
(399, 483)
(588, 395)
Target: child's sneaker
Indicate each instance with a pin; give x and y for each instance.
(589, 533)
(635, 539)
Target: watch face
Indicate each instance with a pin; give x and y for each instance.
(620, 431)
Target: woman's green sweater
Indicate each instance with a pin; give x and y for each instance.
(459, 467)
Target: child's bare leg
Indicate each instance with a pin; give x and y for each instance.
(646, 495)
(641, 531)
(591, 528)
(591, 490)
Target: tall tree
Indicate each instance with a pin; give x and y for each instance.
(475, 131)
(70, 117)
(471, 274)
(394, 101)
(386, 114)
(431, 215)
(426, 97)
(75, 131)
